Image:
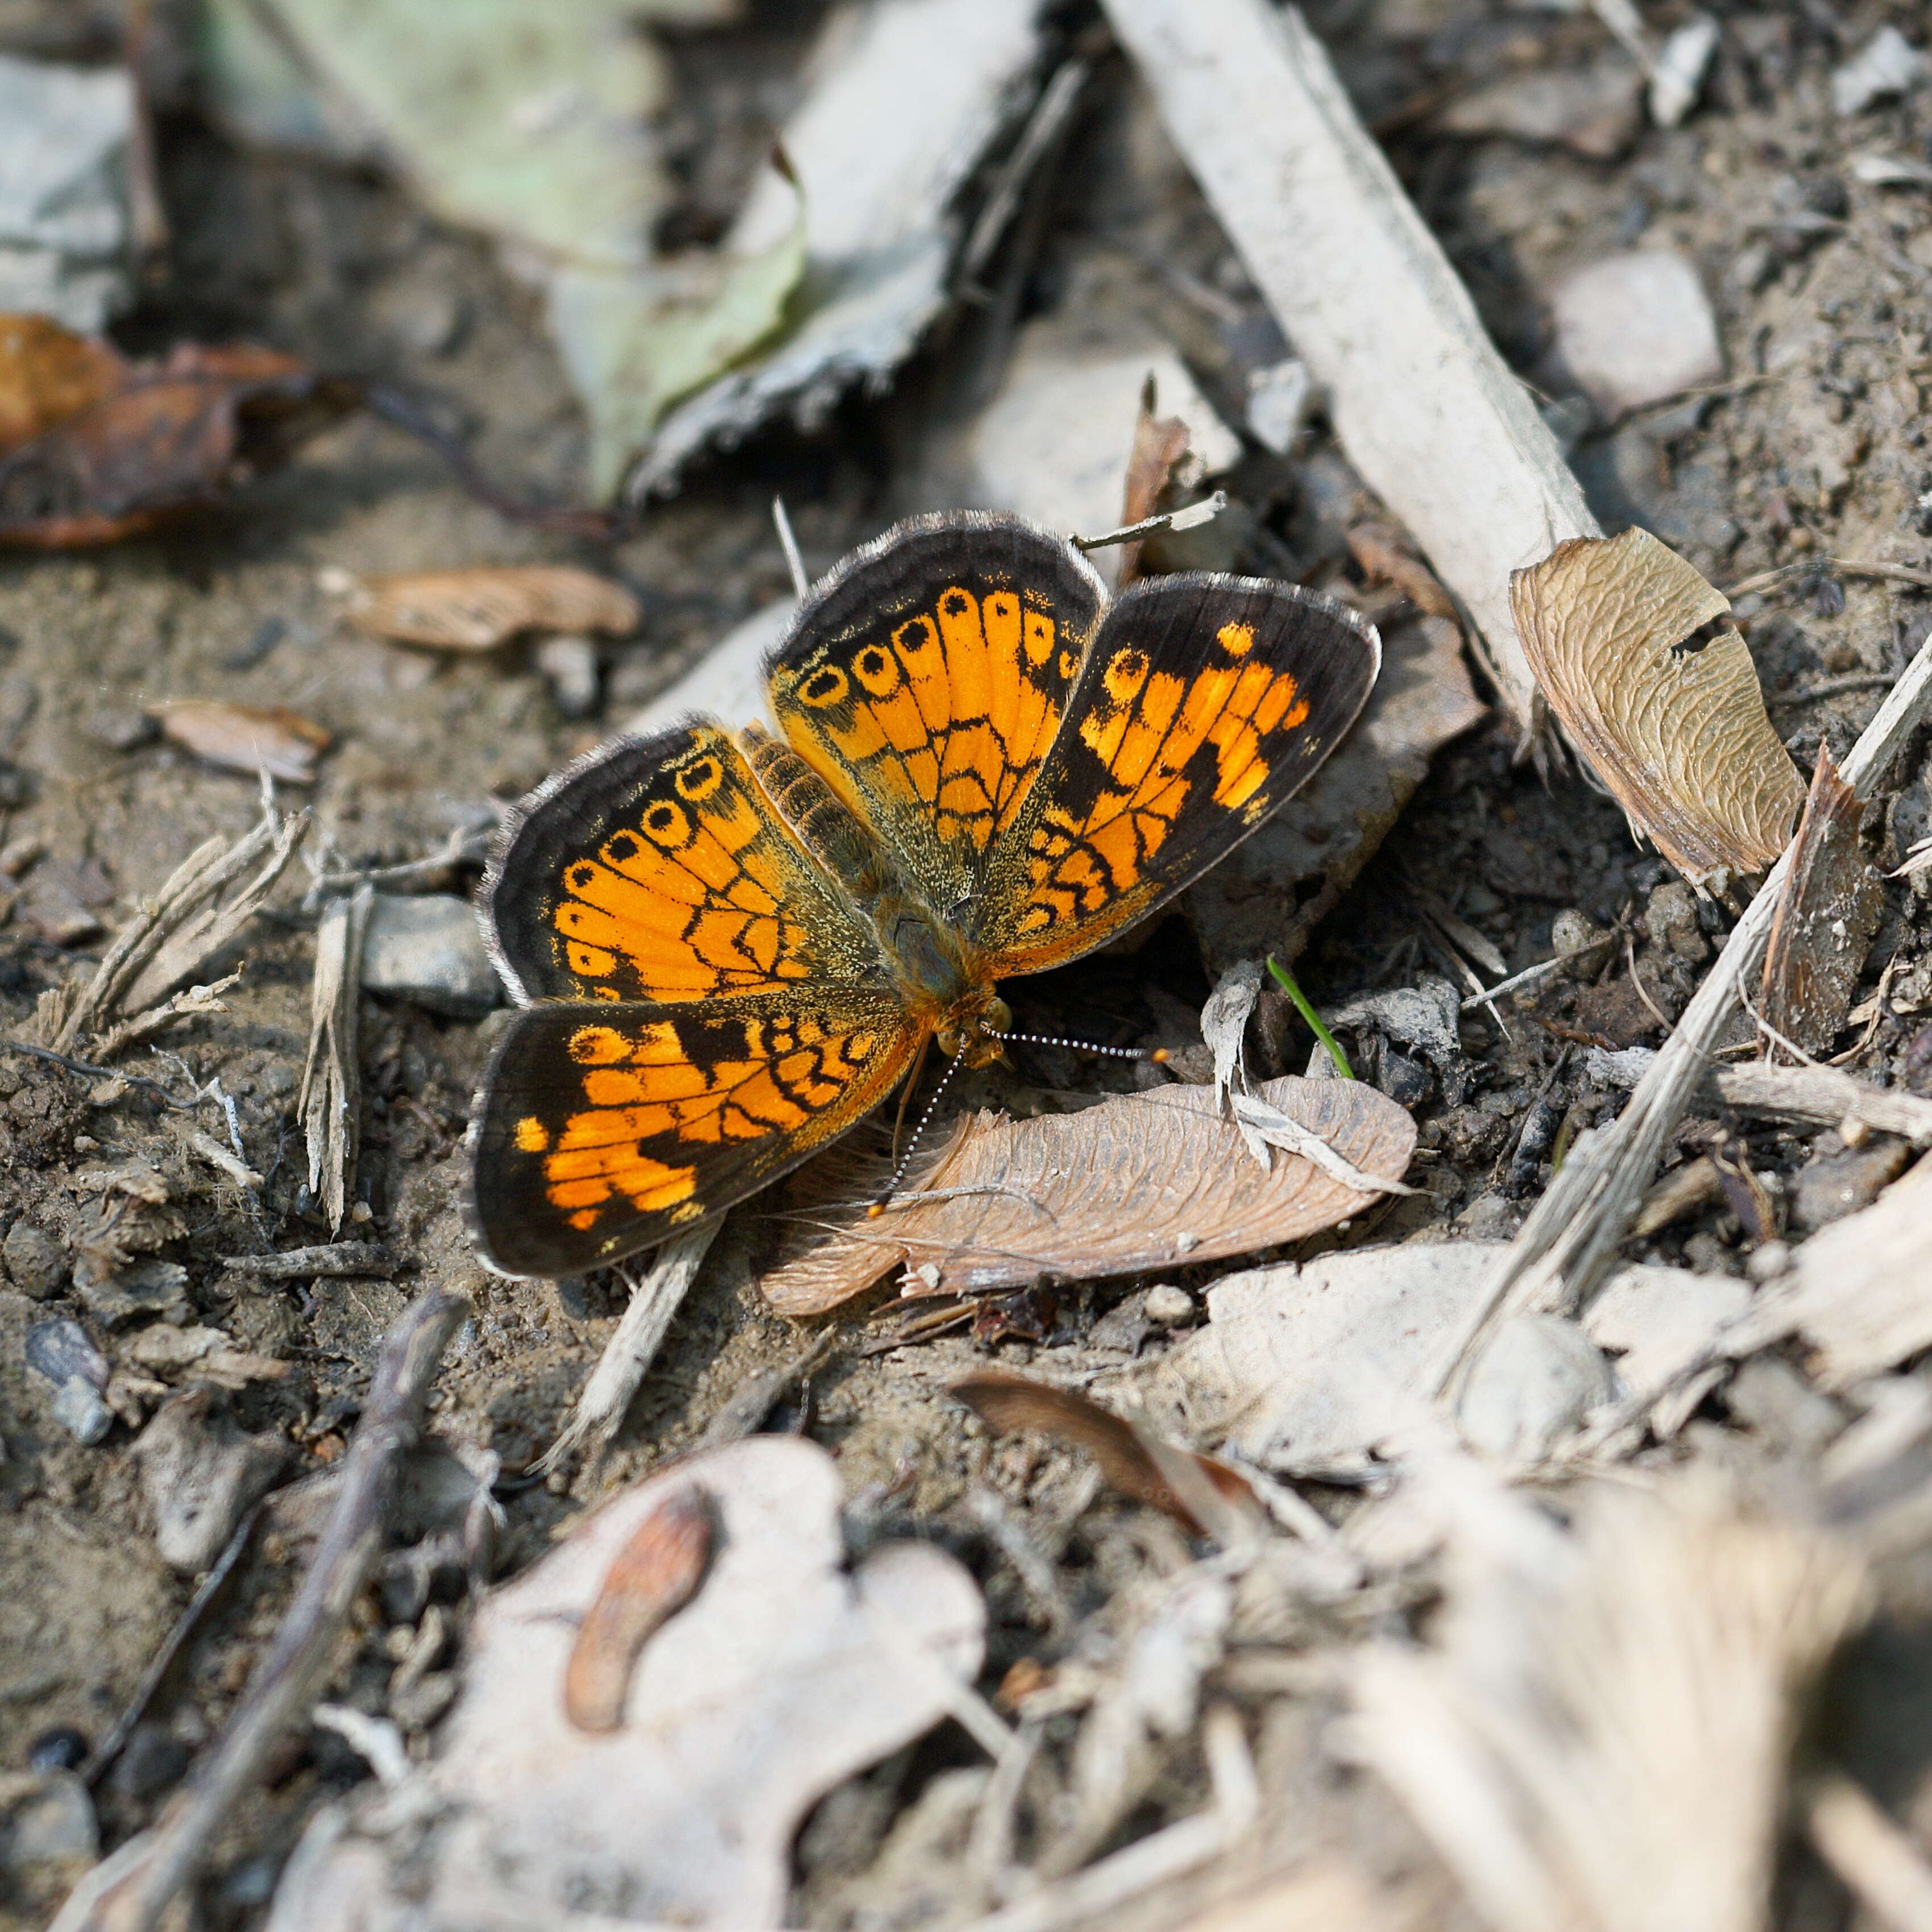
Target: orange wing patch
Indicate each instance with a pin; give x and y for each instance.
(669, 879)
(636, 1121)
(1188, 727)
(930, 704)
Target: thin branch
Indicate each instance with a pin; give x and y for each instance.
(130, 1890)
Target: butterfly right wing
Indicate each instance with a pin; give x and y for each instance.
(655, 868)
(600, 1131)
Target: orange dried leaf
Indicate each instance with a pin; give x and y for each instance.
(476, 610)
(1145, 1181)
(241, 738)
(47, 374)
(1159, 444)
(650, 1579)
(1615, 629)
(1825, 917)
(1128, 1457)
(93, 448)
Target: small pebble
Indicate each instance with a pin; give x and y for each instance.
(151, 1762)
(1830, 1185)
(52, 1818)
(1768, 1262)
(1168, 1305)
(118, 728)
(1670, 919)
(78, 1409)
(1633, 328)
(63, 1748)
(1570, 931)
(36, 1263)
(140, 1292)
(429, 950)
(60, 1349)
(19, 855)
(569, 668)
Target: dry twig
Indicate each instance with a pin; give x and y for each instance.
(1569, 1241)
(330, 1102)
(129, 1891)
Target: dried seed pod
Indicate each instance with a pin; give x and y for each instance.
(478, 609)
(649, 1580)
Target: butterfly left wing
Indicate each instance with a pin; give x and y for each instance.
(1204, 702)
(602, 1130)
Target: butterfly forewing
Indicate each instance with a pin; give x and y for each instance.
(1205, 702)
(611, 1128)
(656, 869)
(925, 679)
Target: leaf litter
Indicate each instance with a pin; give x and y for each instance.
(1192, 1713)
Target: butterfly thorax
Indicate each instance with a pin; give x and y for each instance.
(942, 978)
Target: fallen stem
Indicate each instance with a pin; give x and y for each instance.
(130, 1890)
(1285, 980)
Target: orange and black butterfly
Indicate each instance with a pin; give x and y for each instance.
(729, 948)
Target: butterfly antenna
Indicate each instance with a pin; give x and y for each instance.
(1159, 1055)
(891, 1186)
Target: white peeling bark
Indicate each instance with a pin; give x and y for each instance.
(1426, 409)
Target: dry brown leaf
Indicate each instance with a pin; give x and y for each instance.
(1143, 1181)
(476, 610)
(1159, 444)
(1385, 556)
(94, 448)
(48, 373)
(1826, 918)
(241, 738)
(651, 1578)
(1616, 630)
(1010, 1402)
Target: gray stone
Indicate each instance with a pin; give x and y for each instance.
(1886, 66)
(36, 1263)
(1830, 1185)
(429, 951)
(43, 1815)
(1636, 327)
(63, 192)
(201, 1473)
(1670, 919)
(78, 1409)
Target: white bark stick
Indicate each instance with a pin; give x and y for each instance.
(1426, 409)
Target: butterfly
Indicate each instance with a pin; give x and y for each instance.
(727, 949)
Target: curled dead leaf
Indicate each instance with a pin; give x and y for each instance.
(651, 1578)
(1159, 444)
(1825, 917)
(242, 738)
(1635, 653)
(1135, 1461)
(476, 610)
(1140, 1182)
(94, 448)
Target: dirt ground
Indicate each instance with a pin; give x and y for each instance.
(1814, 449)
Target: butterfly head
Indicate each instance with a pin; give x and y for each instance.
(971, 1029)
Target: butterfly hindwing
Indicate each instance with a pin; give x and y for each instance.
(926, 679)
(656, 869)
(1205, 702)
(611, 1128)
